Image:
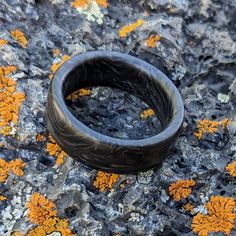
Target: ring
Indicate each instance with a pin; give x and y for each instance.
(127, 73)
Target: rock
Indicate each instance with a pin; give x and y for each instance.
(196, 50)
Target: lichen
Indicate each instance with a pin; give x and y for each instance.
(39, 138)
(16, 233)
(208, 126)
(231, 168)
(79, 93)
(3, 42)
(52, 225)
(4, 170)
(15, 166)
(181, 189)
(104, 181)
(147, 113)
(2, 198)
(80, 3)
(10, 101)
(224, 123)
(7, 70)
(188, 207)
(219, 218)
(43, 213)
(54, 150)
(90, 9)
(19, 36)
(102, 3)
(40, 209)
(56, 52)
(125, 30)
(57, 64)
(152, 41)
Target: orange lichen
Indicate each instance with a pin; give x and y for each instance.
(219, 218)
(188, 207)
(40, 209)
(125, 30)
(19, 37)
(3, 42)
(147, 113)
(81, 92)
(55, 66)
(15, 166)
(43, 213)
(51, 225)
(4, 170)
(122, 186)
(10, 100)
(80, 3)
(225, 122)
(231, 168)
(54, 150)
(123, 183)
(152, 41)
(181, 189)
(2, 198)
(7, 70)
(39, 138)
(102, 3)
(105, 181)
(56, 52)
(16, 233)
(208, 126)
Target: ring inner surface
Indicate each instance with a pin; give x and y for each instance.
(117, 74)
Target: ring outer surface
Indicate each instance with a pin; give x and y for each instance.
(100, 151)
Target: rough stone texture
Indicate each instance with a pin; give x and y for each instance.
(197, 51)
(115, 113)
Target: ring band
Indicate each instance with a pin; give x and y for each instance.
(125, 72)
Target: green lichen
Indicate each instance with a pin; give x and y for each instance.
(92, 12)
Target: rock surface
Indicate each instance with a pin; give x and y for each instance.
(197, 51)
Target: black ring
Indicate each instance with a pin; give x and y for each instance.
(118, 70)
